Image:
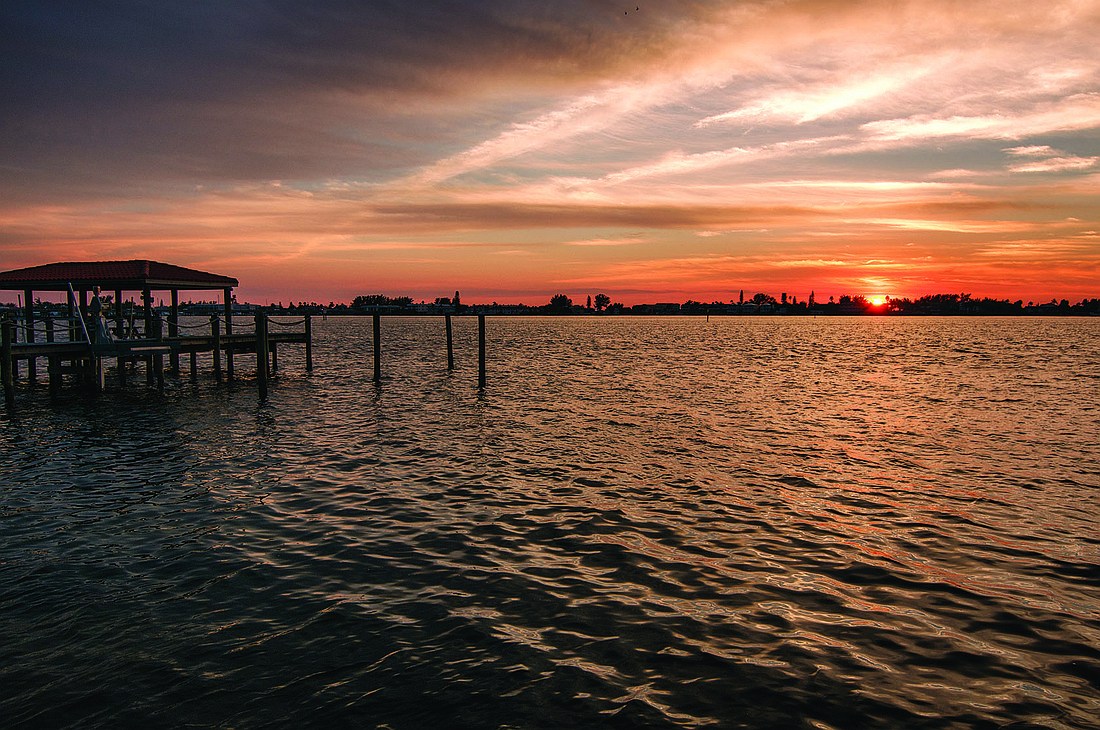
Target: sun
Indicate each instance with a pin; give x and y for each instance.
(878, 300)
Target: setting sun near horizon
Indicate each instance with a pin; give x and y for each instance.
(516, 151)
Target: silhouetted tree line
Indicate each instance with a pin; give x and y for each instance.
(380, 300)
(759, 303)
(964, 304)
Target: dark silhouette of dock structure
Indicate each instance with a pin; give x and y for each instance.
(93, 334)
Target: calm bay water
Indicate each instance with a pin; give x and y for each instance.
(747, 522)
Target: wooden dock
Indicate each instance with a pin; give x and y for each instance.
(98, 330)
(85, 360)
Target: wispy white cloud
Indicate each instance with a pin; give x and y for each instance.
(1048, 159)
(845, 94)
(628, 241)
(1079, 112)
(949, 226)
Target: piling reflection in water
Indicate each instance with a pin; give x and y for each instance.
(639, 523)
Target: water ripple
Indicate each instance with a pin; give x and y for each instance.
(816, 523)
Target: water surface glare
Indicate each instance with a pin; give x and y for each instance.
(661, 523)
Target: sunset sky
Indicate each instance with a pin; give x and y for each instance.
(514, 149)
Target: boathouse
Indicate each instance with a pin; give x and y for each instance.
(132, 338)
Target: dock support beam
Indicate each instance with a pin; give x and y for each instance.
(228, 331)
(377, 349)
(158, 331)
(70, 300)
(147, 306)
(215, 332)
(53, 363)
(481, 350)
(28, 319)
(174, 330)
(119, 316)
(5, 361)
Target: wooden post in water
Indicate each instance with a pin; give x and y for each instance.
(377, 349)
(450, 344)
(5, 361)
(119, 325)
(158, 359)
(228, 331)
(309, 344)
(261, 353)
(215, 332)
(481, 350)
(174, 330)
(70, 299)
(147, 306)
(95, 365)
(120, 332)
(28, 318)
(53, 363)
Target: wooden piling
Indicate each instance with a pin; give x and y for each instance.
(99, 378)
(70, 299)
(119, 321)
(158, 359)
(174, 330)
(228, 331)
(194, 366)
(450, 344)
(120, 333)
(53, 362)
(28, 318)
(481, 350)
(309, 344)
(8, 329)
(377, 349)
(215, 332)
(261, 353)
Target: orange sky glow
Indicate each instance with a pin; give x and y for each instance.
(688, 150)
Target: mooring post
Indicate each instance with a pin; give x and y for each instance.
(95, 369)
(228, 331)
(5, 361)
(53, 363)
(119, 322)
(309, 344)
(261, 353)
(215, 332)
(32, 362)
(158, 359)
(481, 350)
(194, 365)
(377, 349)
(174, 330)
(450, 344)
(120, 331)
(70, 299)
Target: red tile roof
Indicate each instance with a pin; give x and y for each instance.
(132, 275)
